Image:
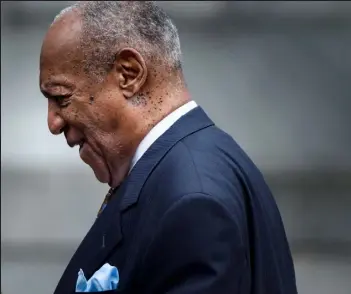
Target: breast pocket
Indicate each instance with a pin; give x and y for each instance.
(109, 291)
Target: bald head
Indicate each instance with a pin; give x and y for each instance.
(61, 44)
(107, 26)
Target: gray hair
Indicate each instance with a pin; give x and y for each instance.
(139, 24)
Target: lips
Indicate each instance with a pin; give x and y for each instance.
(81, 144)
(73, 143)
(85, 152)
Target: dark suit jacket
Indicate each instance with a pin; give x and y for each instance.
(194, 216)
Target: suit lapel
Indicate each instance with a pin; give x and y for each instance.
(106, 232)
(104, 235)
(190, 123)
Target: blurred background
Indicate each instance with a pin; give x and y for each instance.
(275, 75)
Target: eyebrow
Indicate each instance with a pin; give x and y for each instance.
(52, 84)
(44, 90)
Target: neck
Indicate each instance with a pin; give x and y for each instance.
(158, 106)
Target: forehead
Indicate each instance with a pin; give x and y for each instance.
(60, 52)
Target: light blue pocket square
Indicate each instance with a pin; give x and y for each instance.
(105, 279)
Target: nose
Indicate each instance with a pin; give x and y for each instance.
(56, 123)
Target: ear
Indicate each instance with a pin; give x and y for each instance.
(131, 70)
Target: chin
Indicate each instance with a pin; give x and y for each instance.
(102, 177)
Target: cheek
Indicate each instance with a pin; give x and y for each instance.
(113, 146)
(109, 117)
(110, 108)
(75, 118)
(107, 145)
(102, 116)
(80, 113)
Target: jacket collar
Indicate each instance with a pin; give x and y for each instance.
(190, 123)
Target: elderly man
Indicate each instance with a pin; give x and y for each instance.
(187, 212)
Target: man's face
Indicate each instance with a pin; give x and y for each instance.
(91, 113)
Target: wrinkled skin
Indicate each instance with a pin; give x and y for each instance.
(100, 114)
(96, 113)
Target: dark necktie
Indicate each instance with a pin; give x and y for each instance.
(106, 200)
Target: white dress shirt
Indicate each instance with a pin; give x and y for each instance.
(160, 128)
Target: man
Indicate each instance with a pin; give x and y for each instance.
(188, 212)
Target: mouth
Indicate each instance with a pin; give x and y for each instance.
(81, 144)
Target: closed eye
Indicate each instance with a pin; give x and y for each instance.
(60, 97)
(61, 100)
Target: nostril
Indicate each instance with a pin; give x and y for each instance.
(59, 131)
(56, 125)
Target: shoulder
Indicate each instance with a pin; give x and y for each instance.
(204, 163)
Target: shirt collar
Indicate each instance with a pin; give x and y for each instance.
(159, 129)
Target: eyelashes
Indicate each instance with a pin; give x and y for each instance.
(62, 100)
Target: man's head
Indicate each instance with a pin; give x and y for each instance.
(110, 70)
